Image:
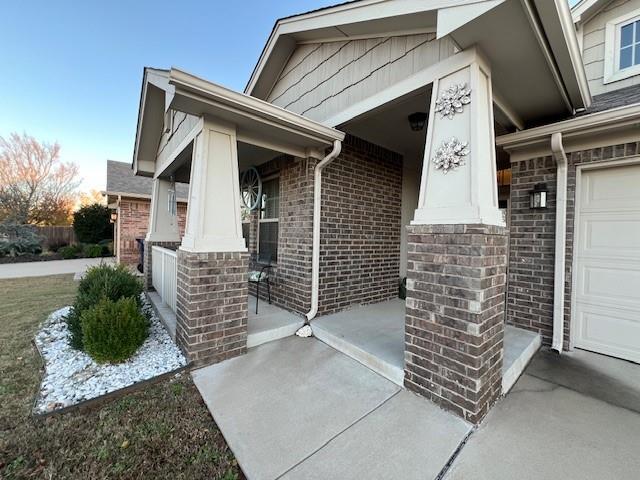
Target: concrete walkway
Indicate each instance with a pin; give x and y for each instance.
(298, 409)
(53, 267)
(572, 417)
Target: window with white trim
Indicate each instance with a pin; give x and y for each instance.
(622, 48)
(629, 45)
(269, 215)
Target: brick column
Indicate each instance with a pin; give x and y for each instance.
(455, 315)
(147, 265)
(212, 305)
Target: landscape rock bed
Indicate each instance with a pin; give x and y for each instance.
(72, 376)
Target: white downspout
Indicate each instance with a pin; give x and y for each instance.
(561, 239)
(315, 255)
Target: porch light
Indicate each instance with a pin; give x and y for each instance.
(418, 120)
(114, 216)
(538, 196)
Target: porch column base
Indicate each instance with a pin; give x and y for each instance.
(211, 311)
(147, 264)
(455, 315)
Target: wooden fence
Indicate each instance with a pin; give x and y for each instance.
(57, 235)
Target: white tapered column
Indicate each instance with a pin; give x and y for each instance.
(163, 218)
(213, 213)
(459, 173)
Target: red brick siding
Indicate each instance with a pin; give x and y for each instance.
(133, 222)
(291, 277)
(532, 244)
(211, 313)
(360, 229)
(454, 326)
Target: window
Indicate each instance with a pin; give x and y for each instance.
(269, 213)
(622, 48)
(630, 45)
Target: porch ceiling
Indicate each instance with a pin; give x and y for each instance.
(257, 123)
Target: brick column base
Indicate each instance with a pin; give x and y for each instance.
(212, 297)
(454, 325)
(147, 264)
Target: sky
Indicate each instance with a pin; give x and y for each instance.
(72, 70)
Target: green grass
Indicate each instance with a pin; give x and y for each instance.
(162, 432)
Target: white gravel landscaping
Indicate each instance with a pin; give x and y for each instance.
(72, 376)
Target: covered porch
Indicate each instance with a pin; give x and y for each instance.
(197, 132)
(374, 335)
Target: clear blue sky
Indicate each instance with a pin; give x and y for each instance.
(71, 70)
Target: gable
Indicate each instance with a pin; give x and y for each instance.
(319, 79)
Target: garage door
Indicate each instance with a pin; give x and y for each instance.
(607, 301)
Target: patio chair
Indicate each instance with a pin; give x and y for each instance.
(259, 273)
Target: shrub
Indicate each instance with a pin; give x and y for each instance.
(102, 281)
(114, 330)
(55, 246)
(92, 223)
(92, 251)
(70, 251)
(16, 240)
(107, 248)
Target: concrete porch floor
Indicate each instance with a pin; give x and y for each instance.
(374, 336)
(298, 409)
(270, 323)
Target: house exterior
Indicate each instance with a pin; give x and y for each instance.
(129, 197)
(394, 139)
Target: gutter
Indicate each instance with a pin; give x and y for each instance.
(315, 256)
(560, 157)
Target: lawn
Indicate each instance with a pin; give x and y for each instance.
(163, 431)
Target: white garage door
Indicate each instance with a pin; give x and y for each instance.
(607, 300)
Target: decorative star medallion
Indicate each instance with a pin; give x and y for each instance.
(450, 155)
(452, 100)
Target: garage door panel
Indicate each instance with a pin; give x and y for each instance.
(607, 269)
(611, 235)
(613, 283)
(613, 188)
(610, 332)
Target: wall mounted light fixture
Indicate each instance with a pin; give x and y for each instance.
(418, 120)
(538, 196)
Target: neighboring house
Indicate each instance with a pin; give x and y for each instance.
(130, 198)
(388, 136)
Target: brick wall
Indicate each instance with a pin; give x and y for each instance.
(291, 277)
(133, 222)
(211, 305)
(360, 229)
(532, 244)
(455, 315)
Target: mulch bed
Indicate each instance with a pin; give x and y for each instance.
(31, 258)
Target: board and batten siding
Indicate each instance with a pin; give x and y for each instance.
(320, 79)
(181, 124)
(593, 50)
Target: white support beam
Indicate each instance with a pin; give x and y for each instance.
(468, 193)
(213, 211)
(163, 218)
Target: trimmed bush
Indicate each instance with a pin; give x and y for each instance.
(102, 281)
(54, 247)
(113, 331)
(70, 251)
(92, 251)
(92, 223)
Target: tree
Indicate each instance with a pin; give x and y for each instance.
(92, 223)
(91, 197)
(36, 186)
